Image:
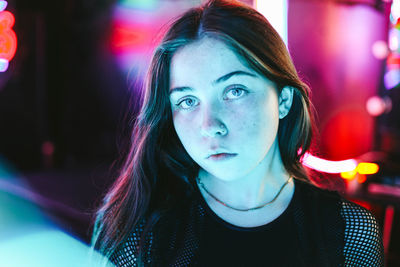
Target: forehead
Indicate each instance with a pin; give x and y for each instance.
(204, 60)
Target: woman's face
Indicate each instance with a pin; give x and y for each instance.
(224, 113)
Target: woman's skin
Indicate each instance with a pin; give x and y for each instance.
(226, 116)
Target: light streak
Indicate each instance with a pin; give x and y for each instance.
(329, 166)
(276, 13)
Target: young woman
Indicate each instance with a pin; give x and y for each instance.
(214, 176)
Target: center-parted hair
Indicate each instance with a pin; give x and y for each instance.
(157, 171)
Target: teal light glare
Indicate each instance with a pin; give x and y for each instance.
(28, 238)
(139, 4)
(3, 5)
(45, 248)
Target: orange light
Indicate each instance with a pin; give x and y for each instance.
(361, 178)
(349, 175)
(367, 168)
(360, 172)
(8, 39)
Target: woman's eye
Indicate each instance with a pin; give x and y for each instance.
(235, 93)
(187, 103)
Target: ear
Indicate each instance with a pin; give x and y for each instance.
(285, 101)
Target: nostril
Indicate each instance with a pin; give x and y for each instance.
(222, 129)
(214, 129)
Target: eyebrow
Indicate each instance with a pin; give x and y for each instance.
(219, 80)
(233, 73)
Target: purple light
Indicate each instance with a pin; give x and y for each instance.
(391, 78)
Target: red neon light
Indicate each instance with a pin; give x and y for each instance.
(125, 37)
(8, 39)
(393, 60)
(132, 37)
(361, 178)
(387, 226)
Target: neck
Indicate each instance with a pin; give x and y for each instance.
(258, 187)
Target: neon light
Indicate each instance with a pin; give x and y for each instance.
(380, 49)
(367, 168)
(395, 11)
(361, 178)
(329, 166)
(376, 106)
(387, 226)
(3, 64)
(363, 168)
(394, 38)
(8, 39)
(391, 78)
(392, 61)
(3, 5)
(139, 4)
(130, 38)
(349, 175)
(276, 13)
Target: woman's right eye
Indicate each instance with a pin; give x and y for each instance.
(187, 103)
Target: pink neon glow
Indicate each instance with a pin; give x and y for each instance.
(329, 166)
(375, 106)
(380, 49)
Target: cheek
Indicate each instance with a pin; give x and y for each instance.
(184, 127)
(257, 120)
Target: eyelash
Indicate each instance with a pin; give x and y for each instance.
(243, 91)
(179, 104)
(233, 88)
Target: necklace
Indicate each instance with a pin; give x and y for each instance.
(255, 208)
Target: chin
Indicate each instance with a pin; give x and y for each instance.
(227, 176)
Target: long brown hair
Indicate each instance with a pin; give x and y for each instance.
(157, 169)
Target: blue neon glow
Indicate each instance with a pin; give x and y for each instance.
(3, 64)
(3, 5)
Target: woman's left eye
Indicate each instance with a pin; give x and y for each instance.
(235, 93)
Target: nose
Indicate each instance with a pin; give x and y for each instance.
(212, 125)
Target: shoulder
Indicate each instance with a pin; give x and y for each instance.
(351, 228)
(148, 243)
(128, 252)
(363, 239)
(316, 195)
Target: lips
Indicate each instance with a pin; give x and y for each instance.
(222, 156)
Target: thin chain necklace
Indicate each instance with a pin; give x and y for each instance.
(255, 208)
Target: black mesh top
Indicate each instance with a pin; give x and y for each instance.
(318, 228)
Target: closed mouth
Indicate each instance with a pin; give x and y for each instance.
(220, 156)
